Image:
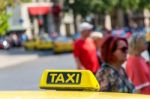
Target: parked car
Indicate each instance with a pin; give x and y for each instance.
(4, 44)
(63, 44)
(41, 43)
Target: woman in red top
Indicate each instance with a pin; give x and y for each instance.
(137, 68)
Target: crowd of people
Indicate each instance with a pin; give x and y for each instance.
(117, 62)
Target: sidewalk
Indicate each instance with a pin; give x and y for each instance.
(12, 60)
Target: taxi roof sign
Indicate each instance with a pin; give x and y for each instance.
(69, 80)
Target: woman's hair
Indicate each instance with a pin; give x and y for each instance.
(109, 46)
(134, 43)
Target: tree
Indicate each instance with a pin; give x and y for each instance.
(104, 7)
(4, 16)
(144, 5)
(107, 7)
(126, 6)
(121, 6)
(78, 7)
(129, 6)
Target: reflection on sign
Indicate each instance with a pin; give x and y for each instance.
(64, 78)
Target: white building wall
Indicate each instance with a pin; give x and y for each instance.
(15, 21)
(20, 12)
(26, 20)
(67, 19)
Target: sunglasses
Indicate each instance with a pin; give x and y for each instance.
(124, 49)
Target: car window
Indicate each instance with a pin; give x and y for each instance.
(63, 39)
(46, 38)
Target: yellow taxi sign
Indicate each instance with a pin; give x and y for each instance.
(69, 79)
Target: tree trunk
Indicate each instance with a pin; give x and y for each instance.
(107, 23)
(146, 13)
(96, 19)
(120, 16)
(75, 21)
(129, 13)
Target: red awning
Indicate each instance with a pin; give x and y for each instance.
(39, 10)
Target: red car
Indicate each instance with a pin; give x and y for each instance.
(4, 44)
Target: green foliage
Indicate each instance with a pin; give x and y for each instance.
(79, 6)
(144, 4)
(84, 7)
(4, 4)
(103, 6)
(130, 4)
(4, 16)
(3, 23)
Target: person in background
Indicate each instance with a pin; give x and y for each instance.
(147, 36)
(111, 76)
(15, 39)
(97, 37)
(54, 35)
(23, 37)
(137, 68)
(85, 50)
(146, 56)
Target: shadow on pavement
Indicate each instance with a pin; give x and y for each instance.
(22, 51)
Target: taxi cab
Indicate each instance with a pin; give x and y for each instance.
(147, 37)
(41, 43)
(68, 84)
(63, 44)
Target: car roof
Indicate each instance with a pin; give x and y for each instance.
(68, 95)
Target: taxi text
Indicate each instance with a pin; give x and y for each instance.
(64, 78)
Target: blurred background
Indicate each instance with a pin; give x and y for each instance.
(38, 34)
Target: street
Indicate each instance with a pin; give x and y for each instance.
(26, 74)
